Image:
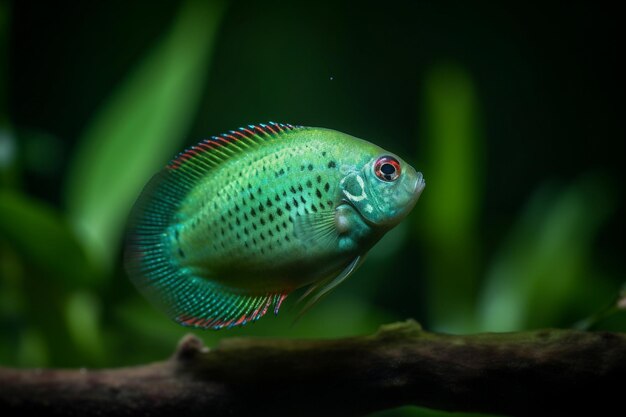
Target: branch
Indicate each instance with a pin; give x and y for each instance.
(529, 373)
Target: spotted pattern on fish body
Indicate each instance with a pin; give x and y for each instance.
(234, 224)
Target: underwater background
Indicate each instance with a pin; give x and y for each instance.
(513, 113)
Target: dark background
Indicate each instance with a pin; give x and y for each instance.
(513, 112)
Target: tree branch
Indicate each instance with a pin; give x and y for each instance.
(528, 373)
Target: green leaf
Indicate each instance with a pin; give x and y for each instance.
(544, 266)
(83, 316)
(139, 128)
(33, 350)
(42, 238)
(453, 169)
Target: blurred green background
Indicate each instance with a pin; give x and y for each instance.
(514, 114)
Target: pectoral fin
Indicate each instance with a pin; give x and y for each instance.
(317, 229)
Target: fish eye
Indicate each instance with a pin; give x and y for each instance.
(387, 168)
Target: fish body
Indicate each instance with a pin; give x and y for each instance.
(234, 224)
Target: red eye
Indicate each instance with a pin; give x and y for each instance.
(387, 168)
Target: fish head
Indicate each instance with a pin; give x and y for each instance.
(383, 190)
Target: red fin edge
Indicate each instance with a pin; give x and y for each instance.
(250, 131)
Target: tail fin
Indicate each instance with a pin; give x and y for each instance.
(189, 299)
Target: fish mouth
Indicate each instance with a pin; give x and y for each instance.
(414, 189)
(419, 184)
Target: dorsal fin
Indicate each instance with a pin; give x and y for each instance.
(210, 152)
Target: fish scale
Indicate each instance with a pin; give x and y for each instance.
(235, 227)
(237, 222)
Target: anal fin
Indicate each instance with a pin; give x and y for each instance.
(199, 302)
(226, 310)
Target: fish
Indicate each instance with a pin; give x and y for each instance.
(233, 225)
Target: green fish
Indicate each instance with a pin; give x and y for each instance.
(237, 222)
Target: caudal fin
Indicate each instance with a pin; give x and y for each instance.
(189, 299)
